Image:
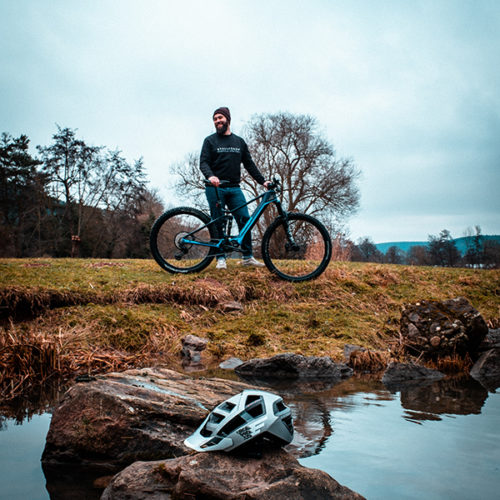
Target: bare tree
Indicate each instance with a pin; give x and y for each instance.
(394, 255)
(418, 255)
(474, 247)
(443, 250)
(189, 184)
(366, 251)
(314, 180)
(291, 147)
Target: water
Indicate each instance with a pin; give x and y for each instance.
(21, 446)
(382, 450)
(440, 441)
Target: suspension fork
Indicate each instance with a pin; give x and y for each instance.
(282, 213)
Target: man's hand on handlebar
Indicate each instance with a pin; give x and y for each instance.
(215, 181)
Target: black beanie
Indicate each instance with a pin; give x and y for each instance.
(223, 111)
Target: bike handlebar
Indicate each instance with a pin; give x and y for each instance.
(275, 184)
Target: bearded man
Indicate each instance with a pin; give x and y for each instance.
(222, 155)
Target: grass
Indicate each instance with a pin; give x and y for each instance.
(69, 316)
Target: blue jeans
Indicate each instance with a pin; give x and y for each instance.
(232, 198)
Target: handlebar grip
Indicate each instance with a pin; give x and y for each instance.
(222, 183)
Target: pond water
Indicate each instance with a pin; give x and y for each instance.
(439, 441)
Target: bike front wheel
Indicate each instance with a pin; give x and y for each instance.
(296, 247)
(180, 240)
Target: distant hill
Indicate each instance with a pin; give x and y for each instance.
(461, 243)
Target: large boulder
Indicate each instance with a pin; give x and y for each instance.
(491, 341)
(143, 414)
(435, 329)
(294, 366)
(222, 476)
(486, 370)
(403, 375)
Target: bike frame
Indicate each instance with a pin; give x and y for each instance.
(234, 242)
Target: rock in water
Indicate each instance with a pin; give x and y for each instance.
(226, 476)
(290, 365)
(135, 415)
(399, 375)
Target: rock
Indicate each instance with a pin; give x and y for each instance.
(437, 329)
(294, 366)
(491, 341)
(222, 476)
(135, 415)
(233, 306)
(400, 375)
(192, 347)
(231, 363)
(486, 370)
(349, 349)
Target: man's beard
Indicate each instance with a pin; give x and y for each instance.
(222, 130)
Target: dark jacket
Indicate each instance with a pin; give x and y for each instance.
(222, 156)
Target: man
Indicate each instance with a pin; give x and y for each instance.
(221, 157)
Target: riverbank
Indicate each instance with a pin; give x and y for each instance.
(79, 316)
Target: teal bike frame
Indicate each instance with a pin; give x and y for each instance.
(228, 243)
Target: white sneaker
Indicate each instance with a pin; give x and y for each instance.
(221, 264)
(250, 261)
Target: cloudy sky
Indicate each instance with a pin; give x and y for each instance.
(409, 89)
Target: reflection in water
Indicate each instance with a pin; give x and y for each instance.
(313, 402)
(452, 397)
(76, 482)
(377, 450)
(40, 400)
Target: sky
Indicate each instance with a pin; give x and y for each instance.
(408, 89)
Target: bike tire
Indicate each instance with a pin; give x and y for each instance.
(168, 250)
(308, 259)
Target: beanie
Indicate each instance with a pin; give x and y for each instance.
(223, 111)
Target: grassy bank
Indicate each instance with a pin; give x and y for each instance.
(85, 316)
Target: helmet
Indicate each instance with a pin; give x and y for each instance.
(242, 418)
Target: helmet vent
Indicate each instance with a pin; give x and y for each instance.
(278, 407)
(205, 432)
(215, 418)
(255, 410)
(232, 425)
(288, 422)
(251, 399)
(227, 406)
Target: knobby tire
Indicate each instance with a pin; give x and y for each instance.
(308, 258)
(166, 244)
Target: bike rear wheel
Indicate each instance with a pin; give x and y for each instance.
(305, 256)
(168, 245)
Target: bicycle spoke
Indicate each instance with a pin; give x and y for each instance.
(177, 238)
(298, 250)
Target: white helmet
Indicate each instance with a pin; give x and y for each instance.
(242, 418)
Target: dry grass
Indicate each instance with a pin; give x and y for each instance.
(29, 358)
(369, 361)
(452, 365)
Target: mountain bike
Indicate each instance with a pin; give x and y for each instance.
(295, 246)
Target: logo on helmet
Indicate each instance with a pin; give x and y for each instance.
(245, 432)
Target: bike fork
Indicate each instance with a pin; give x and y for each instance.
(291, 244)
